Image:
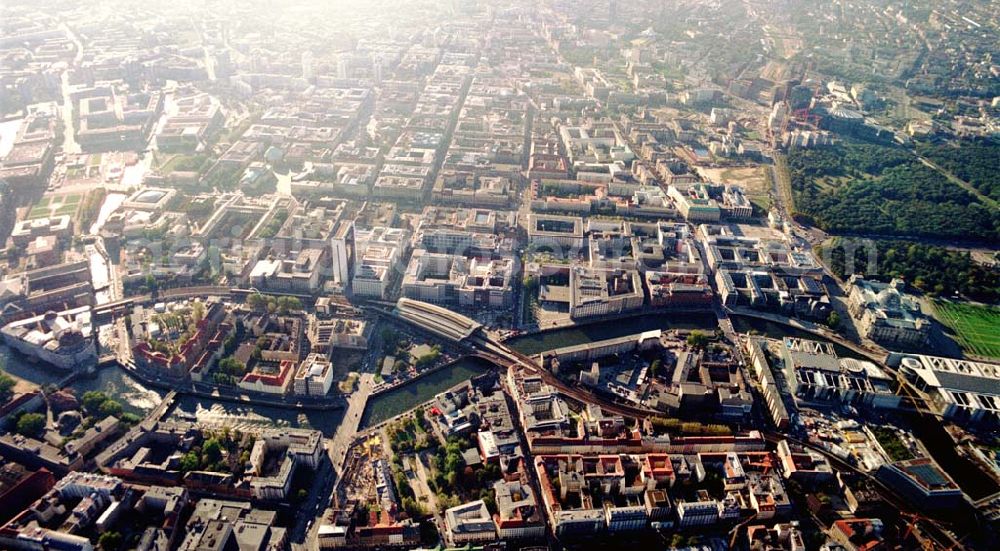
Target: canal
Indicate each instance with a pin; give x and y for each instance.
(774, 330)
(133, 396)
(137, 398)
(610, 329)
(215, 413)
(409, 396)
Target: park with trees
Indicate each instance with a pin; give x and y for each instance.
(931, 269)
(857, 188)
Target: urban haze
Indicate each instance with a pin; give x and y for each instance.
(691, 275)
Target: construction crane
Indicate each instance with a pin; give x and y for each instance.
(805, 115)
(913, 530)
(765, 464)
(736, 530)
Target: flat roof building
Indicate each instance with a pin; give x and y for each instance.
(314, 376)
(961, 390)
(470, 523)
(518, 513)
(923, 482)
(565, 231)
(595, 292)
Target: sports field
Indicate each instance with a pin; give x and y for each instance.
(977, 328)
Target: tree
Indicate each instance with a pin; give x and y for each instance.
(930, 268)
(488, 500)
(6, 385)
(256, 301)
(31, 424)
(389, 340)
(833, 320)
(212, 450)
(413, 508)
(287, 304)
(190, 462)
(863, 188)
(231, 366)
(697, 340)
(427, 359)
(110, 541)
(151, 284)
(198, 311)
(92, 401)
(654, 368)
(110, 407)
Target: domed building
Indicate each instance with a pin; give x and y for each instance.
(63, 339)
(885, 313)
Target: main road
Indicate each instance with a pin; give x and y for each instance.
(70, 146)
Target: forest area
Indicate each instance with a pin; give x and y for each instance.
(866, 189)
(934, 270)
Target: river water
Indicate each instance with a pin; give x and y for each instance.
(8, 135)
(399, 400)
(571, 336)
(242, 417)
(138, 399)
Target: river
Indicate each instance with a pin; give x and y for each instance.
(110, 205)
(138, 399)
(395, 402)
(241, 416)
(774, 330)
(133, 396)
(611, 329)
(100, 265)
(8, 135)
(409, 396)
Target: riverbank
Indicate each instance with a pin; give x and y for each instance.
(232, 398)
(603, 329)
(771, 325)
(406, 397)
(815, 331)
(389, 388)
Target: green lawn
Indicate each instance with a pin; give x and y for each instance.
(69, 210)
(976, 328)
(892, 444)
(38, 212)
(184, 163)
(55, 206)
(762, 203)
